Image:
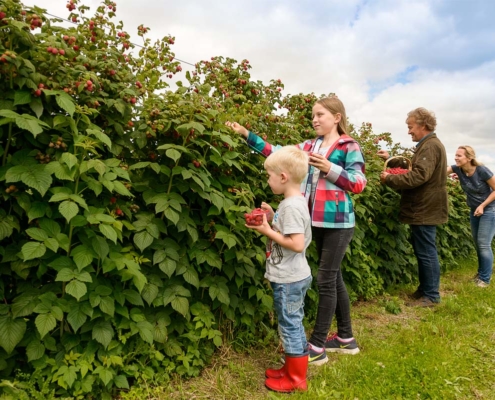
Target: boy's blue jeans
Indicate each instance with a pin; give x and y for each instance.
(483, 230)
(288, 299)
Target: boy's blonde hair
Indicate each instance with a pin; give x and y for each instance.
(291, 160)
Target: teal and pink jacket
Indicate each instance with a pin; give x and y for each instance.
(332, 206)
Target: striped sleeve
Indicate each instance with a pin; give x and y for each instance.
(349, 174)
(259, 145)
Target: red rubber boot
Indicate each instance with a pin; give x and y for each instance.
(296, 368)
(275, 373)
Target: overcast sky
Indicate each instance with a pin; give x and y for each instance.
(382, 58)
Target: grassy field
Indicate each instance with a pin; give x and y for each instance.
(447, 352)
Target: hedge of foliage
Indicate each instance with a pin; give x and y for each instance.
(124, 255)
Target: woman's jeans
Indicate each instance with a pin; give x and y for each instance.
(483, 230)
(423, 238)
(288, 299)
(331, 245)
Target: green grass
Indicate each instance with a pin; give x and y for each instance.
(447, 352)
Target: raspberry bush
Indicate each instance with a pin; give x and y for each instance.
(124, 255)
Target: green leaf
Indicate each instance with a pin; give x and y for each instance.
(120, 106)
(32, 250)
(149, 293)
(76, 289)
(160, 331)
(70, 375)
(66, 103)
(107, 305)
(168, 266)
(142, 164)
(14, 174)
(61, 171)
(105, 374)
(59, 197)
(50, 227)
(133, 297)
(35, 350)
(194, 125)
(191, 277)
(76, 318)
(9, 114)
(45, 323)
(109, 232)
(145, 331)
(59, 120)
(82, 256)
(103, 333)
(217, 200)
(68, 159)
(65, 275)
(30, 125)
(172, 215)
(172, 153)
(22, 97)
(100, 246)
(221, 293)
(228, 238)
(33, 175)
(37, 234)
(23, 306)
(79, 200)
(102, 137)
(37, 106)
(68, 209)
(97, 165)
(84, 276)
(213, 258)
(143, 240)
(11, 332)
(121, 382)
(52, 244)
(181, 305)
(121, 189)
(7, 226)
(38, 209)
(57, 313)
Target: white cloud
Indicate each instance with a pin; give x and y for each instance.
(383, 58)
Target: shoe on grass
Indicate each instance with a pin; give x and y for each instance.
(334, 345)
(476, 277)
(421, 302)
(316, 357)
(481, 283)
(416, 295)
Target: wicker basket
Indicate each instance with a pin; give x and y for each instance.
(398, 162)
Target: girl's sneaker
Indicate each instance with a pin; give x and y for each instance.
(316, 357)
(334, 345)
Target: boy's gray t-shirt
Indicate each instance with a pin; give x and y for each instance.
(284, 265)
(475, 186)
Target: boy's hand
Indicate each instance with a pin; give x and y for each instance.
(268, 207)
(264, 228)
(238, 128)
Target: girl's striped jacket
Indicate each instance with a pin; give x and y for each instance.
(332, 206)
